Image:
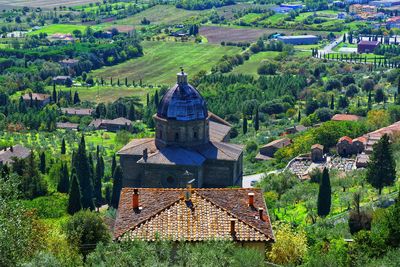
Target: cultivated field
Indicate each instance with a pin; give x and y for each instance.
(162, 61)
(43, 3)
(250, 66)
(217, 34)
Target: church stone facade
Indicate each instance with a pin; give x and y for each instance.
(190, 144)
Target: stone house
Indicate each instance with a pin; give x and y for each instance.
(68, 126)
(114, 125)
(317, 153)
(77, 111)
(345, 117)
(190, 143)
(8, 154)
(32, 99)
(61, 80)
(194, 215)
(344, 146)
(268, 151)
(295, 129)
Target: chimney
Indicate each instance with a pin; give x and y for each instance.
(145, 155)
(261, 213)
(135, 199)
(233, 229)
(189, 190)
(251, 199)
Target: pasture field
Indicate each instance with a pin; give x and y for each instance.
(250, 66)
(108, 93)
(162, 60)
(48, 4)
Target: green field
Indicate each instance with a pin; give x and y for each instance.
(162, 61)
(61, 28)
(106, 94)
(161, 14)
(250, 66)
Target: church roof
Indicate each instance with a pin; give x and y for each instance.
(136, 147)
(220, 151)
(208, 214)
(218, 131)
(175, 156)
(182, 102)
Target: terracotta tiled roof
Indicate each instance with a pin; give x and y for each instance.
(317, 146)
(346, 138)
(345, 117)
(361, 139)
(136, 147)
(18, 151)
(279, 143)
(218, 119)
(118, 121)
(218, 131)
(77, 111)
(207, 215)
(220, 150)
(67, 125)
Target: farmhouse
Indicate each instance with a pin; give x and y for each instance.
(189, 144)
(69, 63)
(367, 46)
(67, 126)
(299, 39)
(61, 79)
(317, 153)
(77, 111)
(357, 9)
(295, 129)
(196, 215)
(385, 3)
(8, 154)
(40, 100)
(114, 125)
(267, 152)
(16, 34)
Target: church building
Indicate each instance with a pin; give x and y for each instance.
(190, 145)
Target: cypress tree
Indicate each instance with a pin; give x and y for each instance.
(113, 165)
(63, 183)
(369, 100)
(108, 195)
(131, 113)
(332, 102)
(147, 99)
(74, 200)
(54, 93)
(257, 121)
(381, 170)
(299, 116)
(42, 165)
(63, 148)
(244, 125)
(398, 85)
(83, 173)
(324, 194)
(156, 100)
(117, 187)
(76, 98)
(97, 182)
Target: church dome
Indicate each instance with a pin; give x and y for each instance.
(182, 102)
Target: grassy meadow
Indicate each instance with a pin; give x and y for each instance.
(162, 61)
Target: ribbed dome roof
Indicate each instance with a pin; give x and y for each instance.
(182, 102)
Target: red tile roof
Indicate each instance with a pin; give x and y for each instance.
(345, 117)
(346, 138)
(207, 215)
(317, 146)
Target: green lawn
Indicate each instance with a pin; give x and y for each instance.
(250, 66)
(162, 61)
(60, 28)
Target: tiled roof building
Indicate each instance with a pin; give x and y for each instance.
(8, 154)
(190, 214)
(111, 125)
(189, 139)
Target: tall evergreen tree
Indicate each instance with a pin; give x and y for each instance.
(74, 200)
(381, 170)
(83, 173)
(332, 102)
(257, 121)
(54, 93)
(244, 125)
(97, 182)
(131, 113)
(156, 100)
(63, 183)
(324, 194)
(113, 164)
(63, 148)
(42, 165)
(299, 116)
(117, 187)
(76, 98)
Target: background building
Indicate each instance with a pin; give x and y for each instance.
(367, 46)
(299, 39)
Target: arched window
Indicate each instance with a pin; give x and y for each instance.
(195, 135)
(176, 136)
